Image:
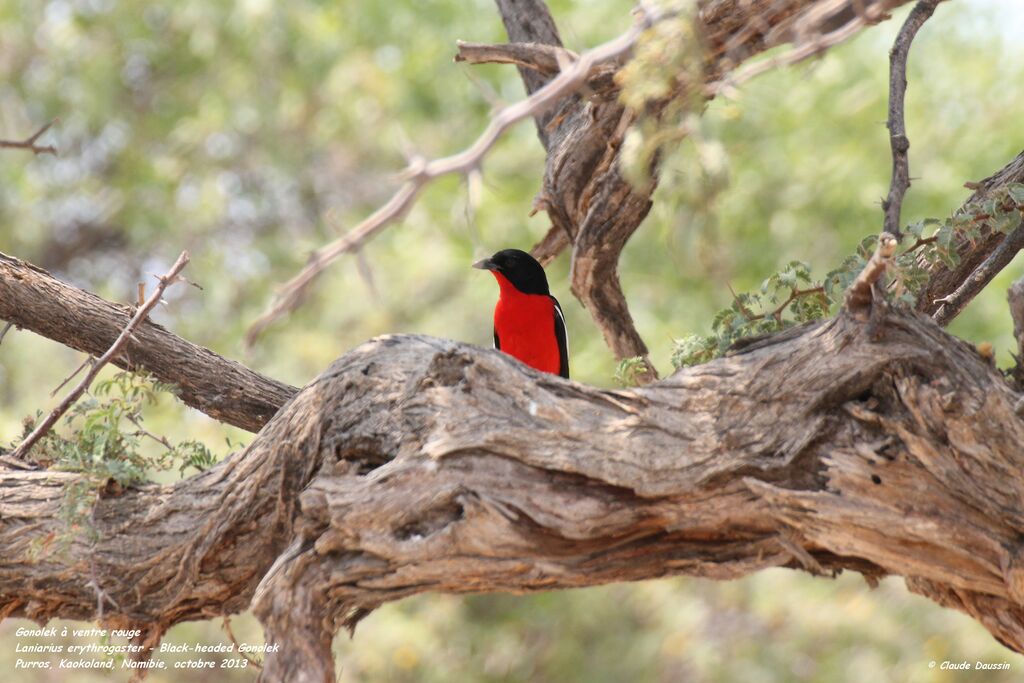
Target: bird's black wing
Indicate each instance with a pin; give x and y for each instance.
(563, 341)
(497, 344)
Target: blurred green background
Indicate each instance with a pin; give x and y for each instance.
(252, 132)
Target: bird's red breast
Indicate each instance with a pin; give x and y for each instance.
(525, 323)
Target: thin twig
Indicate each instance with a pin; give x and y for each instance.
(979, 279)
(165, 281)
(238, 648)
(420, 174)
(809, 48)
(793, 296)
(898, 141)
(30, 142)
(777, 312)
(142, 431)
(921, 242)
(3, 332)
(87, 361)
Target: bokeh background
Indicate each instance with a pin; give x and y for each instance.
(252, 132)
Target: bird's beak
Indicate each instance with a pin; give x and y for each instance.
(485, 264)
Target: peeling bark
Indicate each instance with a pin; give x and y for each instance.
(823, 451)
(416, 464)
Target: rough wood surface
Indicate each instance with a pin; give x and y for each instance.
(821, 452)
(226, 390)
(416, 464)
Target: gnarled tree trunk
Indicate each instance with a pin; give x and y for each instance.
(417, 464)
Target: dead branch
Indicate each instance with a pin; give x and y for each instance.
(861, 293)
(164, 281)
(224, 389)
(546, 60)
(950, 306)
(530, 21)
(29, 143)
(898, 140)
(944, 280)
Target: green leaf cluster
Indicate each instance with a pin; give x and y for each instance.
(104, 439)
(803, 299)
(790, 290)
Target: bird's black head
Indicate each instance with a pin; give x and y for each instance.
(519, 268)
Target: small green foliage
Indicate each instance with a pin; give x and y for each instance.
(934, 241)
(789, 290)
(693, 349)
(103, 439)
(629, 370)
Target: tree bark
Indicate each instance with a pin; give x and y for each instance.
(417, 464)
(875, 443)
(224, 389)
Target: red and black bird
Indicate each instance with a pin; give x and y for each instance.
(528, 322)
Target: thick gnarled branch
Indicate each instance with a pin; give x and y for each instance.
(839, 453)
(417, 464)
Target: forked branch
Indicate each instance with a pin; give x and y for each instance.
(29, 143)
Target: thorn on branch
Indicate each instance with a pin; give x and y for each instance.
(861, 294)
(29, 143)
